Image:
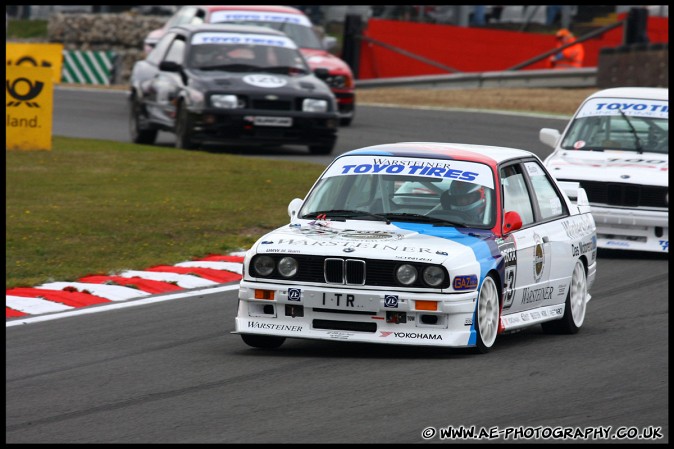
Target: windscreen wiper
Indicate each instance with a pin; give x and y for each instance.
(640, 147)
(345, 213)
(231, 67)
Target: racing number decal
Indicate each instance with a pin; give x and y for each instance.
(509, 286)
(509, 252)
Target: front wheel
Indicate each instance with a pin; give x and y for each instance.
(138, 127)
(487, 316)
(262, 341)
(346, 121)
(183, 130)
(575, 306)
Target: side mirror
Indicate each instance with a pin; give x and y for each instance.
(511, 222)
(294, 208)
(329, 43)
(321, 72)
(549, 136)
(169, 66)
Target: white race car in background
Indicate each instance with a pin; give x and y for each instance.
(617, 147)
(427, 244)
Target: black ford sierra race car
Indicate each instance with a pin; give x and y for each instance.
(231, 84)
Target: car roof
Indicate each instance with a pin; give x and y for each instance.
(229, 27)
(491, 155)
(646, 93)
(261, 8)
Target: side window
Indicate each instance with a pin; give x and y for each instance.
(158, 52)
(515, 194)
(176, 52)
(549, 202)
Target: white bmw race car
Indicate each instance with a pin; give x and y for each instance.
(435, 244)
(617, 147)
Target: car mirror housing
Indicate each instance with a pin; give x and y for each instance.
(549, 136)
(321, 73)
(511, 222)
(169, 66)
(329, 43)
(294, 208)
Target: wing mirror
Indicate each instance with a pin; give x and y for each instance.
(329, 43)
(294, 208)
(549, 136)
(321, 73)
(169, 66)
(511, 222)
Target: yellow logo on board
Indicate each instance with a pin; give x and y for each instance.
(28, 116)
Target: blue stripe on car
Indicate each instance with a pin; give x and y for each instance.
(479, 240)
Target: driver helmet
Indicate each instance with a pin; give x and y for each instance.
(465, 197)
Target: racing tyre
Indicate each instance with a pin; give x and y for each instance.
(262, 341)
(184, 130)
(140, 133)
(575, 306)
(345, 121)
(487, 316)
(321, 149)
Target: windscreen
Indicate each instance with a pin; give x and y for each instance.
(297, 27)
(406, 189)
(620, 124)
(245, 52)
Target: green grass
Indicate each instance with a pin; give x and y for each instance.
(90, 206)
(27, 29)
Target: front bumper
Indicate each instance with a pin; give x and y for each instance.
(312, 313)
(631, 229)
(346, 103)
(238, 126)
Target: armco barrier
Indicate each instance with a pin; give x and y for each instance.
(546, 78)
(88, 67)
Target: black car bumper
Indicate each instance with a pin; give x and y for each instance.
(263, 127)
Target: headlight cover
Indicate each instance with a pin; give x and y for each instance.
(287, 267)
(406, 274)
(433, 276)
(226, 101)
(338, 81)
(263, 265)
(314, 105)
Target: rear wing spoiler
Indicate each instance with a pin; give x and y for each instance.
(576, 194)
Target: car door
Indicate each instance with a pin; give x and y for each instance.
(166, 85)
(554, 223)
(526, 280)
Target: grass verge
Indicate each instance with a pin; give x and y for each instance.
(91, 206)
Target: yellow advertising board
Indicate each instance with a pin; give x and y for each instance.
(36, 55)
(29, 105)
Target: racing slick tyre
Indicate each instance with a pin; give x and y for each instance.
(184, 130)
(138, 129)
(262, 341)
(575, 305)
(487, 316)
(321, 149)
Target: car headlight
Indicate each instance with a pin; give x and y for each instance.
(287, 267)
(337, 81)
(406, 274)
(226, 101)
(314, 105)
(433, 276)
(263, 265)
